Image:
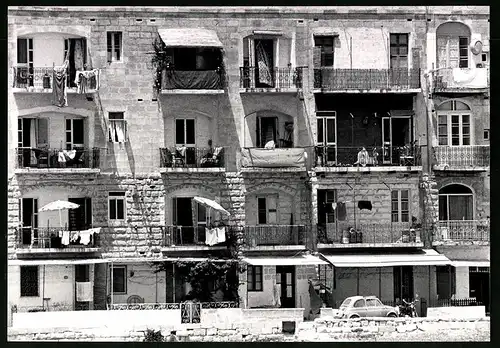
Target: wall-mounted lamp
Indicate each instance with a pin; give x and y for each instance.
(131, 273)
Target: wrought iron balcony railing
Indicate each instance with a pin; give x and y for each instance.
(279, 78)
(461, 79)
(344, 232)
(194, 79)
(329, 78)
(463, 156)
(265, 235)
(347, 156)
(463, 230)
(55, 238)
(193, 157)
(195, 235)
(31, 157)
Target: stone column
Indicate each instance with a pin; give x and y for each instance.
(430, 198)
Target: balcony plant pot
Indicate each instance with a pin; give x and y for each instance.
(359, 237)
(352, 236)
(345, 237)
(406, 236)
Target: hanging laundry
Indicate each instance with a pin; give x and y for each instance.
(59, 91)
(365, 205)
(85, 237)
(211, 236)
(86, 81)
(277, 295)
(334, 205)
(263, 63)
(65, 238)
(75, 238)
(341, 211)
(78, 55)
(221, 234)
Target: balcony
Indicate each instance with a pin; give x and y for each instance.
(276, 237)
(462, 80)
(41, 80)
(43, 158)
(44, 240)
(350, 158)
(194, 238)
(344, 80)
(193, 81)
(193, 159)
(475, 157)
(279, 80)
(462, 231)
(343, 235)
(278, 159)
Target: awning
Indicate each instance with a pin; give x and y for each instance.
(55, 262)
(467, 256)
(189, 37)
(470, 263)
(211, 204)
(428, 257)
(285, 261)
(167, 259)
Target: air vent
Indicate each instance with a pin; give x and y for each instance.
(154, 99)
(139, 99)
(139, 19)
(409, 19)
(153, 20)
(92, 19)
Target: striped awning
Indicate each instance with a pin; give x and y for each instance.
(189, 37)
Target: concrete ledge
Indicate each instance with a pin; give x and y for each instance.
(192, 170)
(56, 251)
(274, 247)
(44, 90)
(370, 245)
(379, 169)
(447, 168)
(460, 242)
(378, 91)
(192, 248)
(192, 91)
(57, 171)
(272, 170)
(270, 90)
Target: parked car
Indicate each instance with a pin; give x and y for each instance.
(365, 306)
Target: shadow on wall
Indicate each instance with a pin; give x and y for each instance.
(130, 156)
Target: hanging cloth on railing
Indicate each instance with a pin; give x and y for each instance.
(263, 63)
(59, 92)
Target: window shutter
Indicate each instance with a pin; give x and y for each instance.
(174, 211)
(22, 51)
(317, 56)
(453, 51)
(272, 212)
(43, 132)
(442, 51)
(88, 212)
(415, 52)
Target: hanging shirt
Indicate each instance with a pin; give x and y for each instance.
(341, 211)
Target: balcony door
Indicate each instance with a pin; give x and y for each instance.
(25, 65)
(75, 52)
(454, 123)
(32, 133)
(29, 219)
(75, 135)
(456, 203)
(191, 218)
(396, 133)
(285, 277)
(185, 137)
(326, 136)
(80, 218)
(267, 130)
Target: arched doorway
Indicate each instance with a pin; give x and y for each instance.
(456, 203)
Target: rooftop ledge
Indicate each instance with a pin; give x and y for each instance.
(66, 250)
(403, 169)
(57, 171)
(378, 91)
(192, 170)
(192, 91)
(370, 245)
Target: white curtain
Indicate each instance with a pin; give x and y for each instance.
(33, 142)
(117, 131)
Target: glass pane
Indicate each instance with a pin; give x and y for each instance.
(330, 130)
(466, 141)
(394, 50)
(404, 206)
(463, 41)
(78, 136)
(394, 39)
(404, 194)
(68, 124)
(179, 132)
(443, 207)
(394, 217)
(289, 278)
(394, 195)
(403, 39)
(22, 51)
(455, 141)
(394, 206)
(405, 217)
(112, 208)
(359, 303)
(461, 207)
(120, 209)
(465, 130)
(319, 123)
(461, 106)
(455, 119)
(202, 213)
(403, 50)
(446, 106)
(443, 140)
(466, 119)
(190, 132)
(289, 291)
(443, 131)
(455, 130)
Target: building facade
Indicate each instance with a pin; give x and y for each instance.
(318, 150)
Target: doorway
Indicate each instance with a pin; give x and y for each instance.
(266, 130)
(29, 219)
(264, 61)
(82, 275)
(479, 285)
(75, 50)
(396, 133)
(285, 276)
(80, 218)
(403, 283)
(183, 217)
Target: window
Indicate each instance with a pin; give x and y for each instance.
(116, 205)
(117, 127)
(267, 210)
(119, 279)
(453, 41)
(400, 206)
(359, 303)
(454, 124)
(486, 134)
(372, 302)
(326, 213)
(456, 203)
(114, 46)
(399, 51)
(25, 51)
(29, 281)
(323, 51)
(74, 133)
(185, 132)
(254, 278)
(326, 133)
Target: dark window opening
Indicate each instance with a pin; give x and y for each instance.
(192, 59)
(120, 279)
(254, 278)
(29, 281)
(323, 51)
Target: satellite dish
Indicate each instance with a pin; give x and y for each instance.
(476, 47)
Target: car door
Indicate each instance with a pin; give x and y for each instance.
(359, 307)
(372, 308)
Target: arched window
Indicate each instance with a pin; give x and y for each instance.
(454, 123)
(456, 202)
(453, 45)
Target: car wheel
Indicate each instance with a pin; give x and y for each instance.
(392, 315)
(354, 316)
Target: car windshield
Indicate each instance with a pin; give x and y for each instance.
(345, 303)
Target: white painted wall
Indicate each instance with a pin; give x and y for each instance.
(144, 283)
(57, 283)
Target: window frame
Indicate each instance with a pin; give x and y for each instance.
(125, 279)
(463, 61)
(253, 282)
(115, 196)
(400, 200)
(449, 127)
(111, 46)
(324, 54)
(23, 279)
(116, 117)
(184, 122)
(70, 145)
(267, 210)
(398, 45)
(448, 205)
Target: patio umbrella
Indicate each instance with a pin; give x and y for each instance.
(58, 206)
(211, 204)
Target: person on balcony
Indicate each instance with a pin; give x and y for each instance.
(363, 158)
